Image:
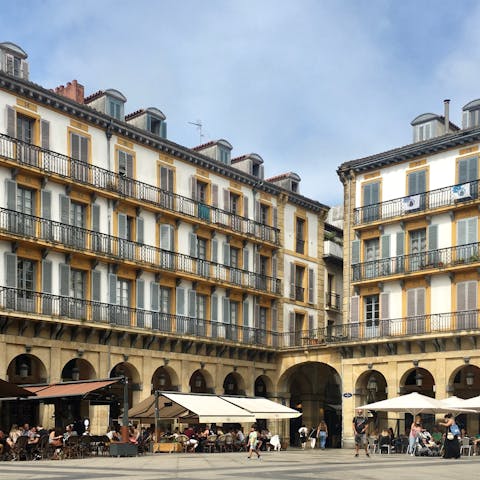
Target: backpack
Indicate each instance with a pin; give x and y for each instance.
(454, 429)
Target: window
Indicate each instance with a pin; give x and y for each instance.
(467, 304)
(236, 274)
(165, 299)
(125, 233)
(24, 223)
(415, 310)
(264, 214)
(224, 155)
(115, 108)
(26, 284)
(371, 256)
(202, 192)
(299, 289)
(371, 198)
(467, 237)
(167, 246)
(154, 125)
(79, 146)
(300, 235)
(77, 284)
(262, 272)
(471, 118)
(372, 311)
(417, 246)
(26, 133)
(424, 132)
(235, 203)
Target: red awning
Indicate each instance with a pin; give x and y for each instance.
(67, 389)
(8, 389)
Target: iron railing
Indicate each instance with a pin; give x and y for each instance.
(437, 323)
(415, 262)
(60, 307)
(68, 168)
(332, 300)
(427, 201)
(37, 228)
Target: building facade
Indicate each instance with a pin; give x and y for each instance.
(126, 254)
(411, 266)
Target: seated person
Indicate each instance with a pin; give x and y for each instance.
(55, 438)
(113, 435)
(274, 443)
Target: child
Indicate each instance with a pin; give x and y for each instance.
(253, 442)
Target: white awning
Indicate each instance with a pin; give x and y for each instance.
(263, 408)
(210, 408)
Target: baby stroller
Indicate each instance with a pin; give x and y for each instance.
(426, 447)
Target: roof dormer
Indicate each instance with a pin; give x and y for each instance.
(151, 120)
(251, 164)
(13, 60)
(471, 114)
(111, 102)
(219, 150)
(289, 181)
(431, 125)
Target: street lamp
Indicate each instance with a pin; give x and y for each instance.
(198, 381)
(162, 380)
(469, 378)
(372, 384)
(418, 379)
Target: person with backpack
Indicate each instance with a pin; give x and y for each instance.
(360, 428)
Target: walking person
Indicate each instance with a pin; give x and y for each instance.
(322, 433)
(253, 442)
(451, 443)
(303, 431)
(360, 427)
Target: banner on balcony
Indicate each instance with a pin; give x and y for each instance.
(412, 202)
(461, 191)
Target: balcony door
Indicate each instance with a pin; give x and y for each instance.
(417, 248)
(371, 315)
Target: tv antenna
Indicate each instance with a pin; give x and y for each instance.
(199, 126)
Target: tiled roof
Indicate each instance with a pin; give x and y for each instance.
(204, 145)
(137, 113)
(94, 96)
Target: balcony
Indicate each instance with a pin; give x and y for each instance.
(433, 260)
(332, 301)
(48, 307)
(332, 249)
(450, 196)
(397, 328)
(17, 225)
(299, 293)
(300, 246)
(76, 172)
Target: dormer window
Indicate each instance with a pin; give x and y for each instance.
(156, 126)
(424, 132)
(294, 187)
(471, 114)
(115, 108)
(12, 60)
(224, 155)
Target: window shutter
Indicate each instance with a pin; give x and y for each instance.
(226, 254)
(274, 266)
(180, 300)
(472, 295)
(400, 243)
(310, 323)
(112, 288)
(154, 296)
(275, 217)
(165, 236)
(64, 209)
(192, 304)
(11, 270)
(96, 285)
(215, 251)
(245, 313)
(46, 276)
(214, 308)
(64, 279)
(291, 322)
(257, 211)
(140, 230)
(10, 121)
(96, 217)
(11, 187)
(354, 309)
(384, 306)
(462, 296)
(193, 245)
(433, 237)
(83, 149)
(292, 280)
(246, 258)
(256, 315)
(472, 169)
(129, 165)
(274, 319)
(122, 226)
(356, 251)
(46, 204)
(311, 285)
(140, 293)
(245, 207)
(411, 297)
(385, 243)
(214, 195)
(75, 145)
(45, 132)
(226, 310)
(226, 200)
(420, 301)
(472, 229)
(193, 187)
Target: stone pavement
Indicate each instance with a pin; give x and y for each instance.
(292, 464)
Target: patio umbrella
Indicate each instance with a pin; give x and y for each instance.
(471, 404)
(414, 403)
(457, 405)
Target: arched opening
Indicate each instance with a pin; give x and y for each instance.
(198, 383)
(315, 390)
(371, 387)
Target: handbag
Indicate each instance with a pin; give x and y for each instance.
(450, 436)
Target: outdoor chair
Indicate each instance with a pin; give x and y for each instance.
(221, 446)
(84, 446)
(72, 447)
(228, 442)
(19, 450)
(465, 446)
(211, 444)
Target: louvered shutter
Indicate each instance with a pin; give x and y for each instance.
(193, 245)
(11, 187)
(96, 285)
(112, 288)
(193, 187)
(45, 133)
(46, 276)
(65, 210)
(96, 217)
(311, 285)
(64, 280)
(75, 145)
(140, 230)
(214, 308)
(226, 200)
(411, 303)
(354, 309)
(292, 280)
(471, 295)
(11, 121)
(165, 236)
(226, 310)
(180, 294)
(47, 204)
(140, 284)
(462, 296)
(214, 195)
(11, 270)
(355, 251)
(245, 314)
(275, 217)
(246, 254)
(257, 211)
(385, 244)
(310, 324)
(274, 319)
(215, 251)
(154, 296)
(122, 226)
(433, 237)
(192, 304)
(420, 303)
(226, 254)
(83, 149)
(245, 207)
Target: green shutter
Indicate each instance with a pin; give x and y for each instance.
(46, 276)
(140, 293)
(385, 245)
(140, 230)
(96, 285)
(64, 279)
(356, 251)
(433, 237)
(11, 270)
(112, 288)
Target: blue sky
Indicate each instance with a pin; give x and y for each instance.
(306, 84)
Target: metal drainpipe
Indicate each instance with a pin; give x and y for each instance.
(109, 134)
(446, 105)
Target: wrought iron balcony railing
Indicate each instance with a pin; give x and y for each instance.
(70, 169)
(58, 307)
(299, 294)
(427, 201)
(415, 262)
(332, 300)
(16, 224)
(385, 329)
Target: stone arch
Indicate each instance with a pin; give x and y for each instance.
(263, 386)
(464, 381)
(371, 386)
(234, 384)
(201, 381)
(165, 378)
(417, 379)
(26, 368)
(77, 369)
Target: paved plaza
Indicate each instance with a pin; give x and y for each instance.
(291, 464)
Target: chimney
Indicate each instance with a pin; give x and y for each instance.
(74, 91)
(446, 105)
